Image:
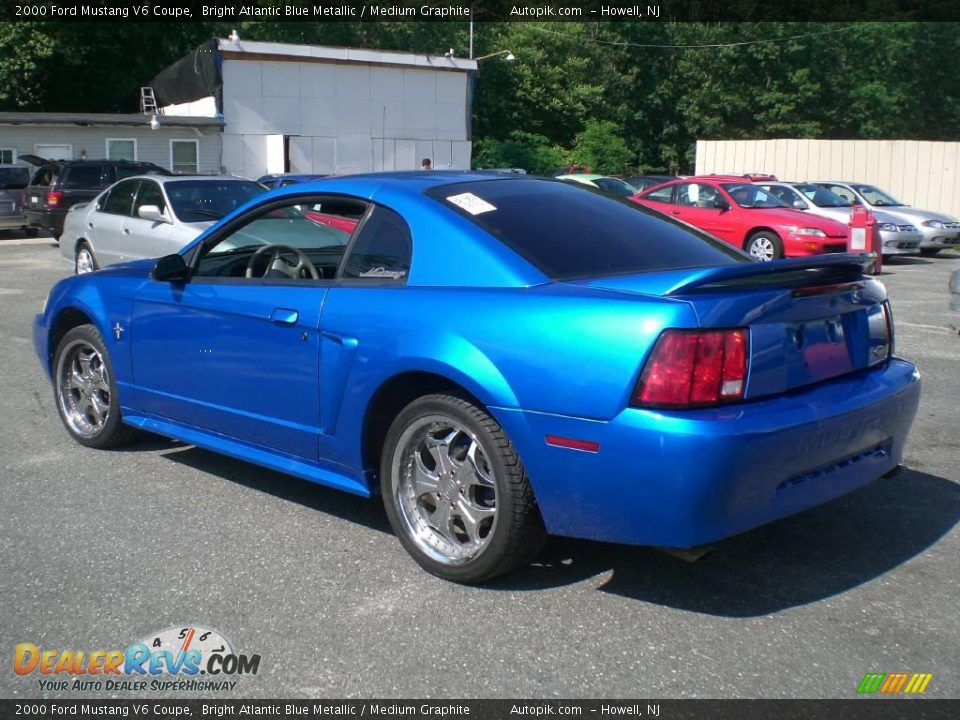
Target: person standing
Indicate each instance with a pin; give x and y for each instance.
(426, 164)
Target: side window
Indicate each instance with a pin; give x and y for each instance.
(120, 199)
(696, 195)
(784, 195)
(82, 177)
(284, 242)
(148, 194)
(663, 195)
(382, 250)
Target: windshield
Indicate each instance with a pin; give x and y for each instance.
(822, 197)
(569, 232)
(14, 178)
(876, 196)
(615, 186)
(750, 196)
(203, 200)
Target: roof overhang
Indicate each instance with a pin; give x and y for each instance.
(106, 120)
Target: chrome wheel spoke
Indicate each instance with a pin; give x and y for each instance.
(472, 516)
(441, 520)
(425, 482)
(474, 469)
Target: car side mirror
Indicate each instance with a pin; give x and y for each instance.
(171, 268)
(721, 204)
(799, 205)
(152, 212)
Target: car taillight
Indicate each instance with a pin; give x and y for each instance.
(690, 368)
(53, 198)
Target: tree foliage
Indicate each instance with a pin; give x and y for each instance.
(612, 92)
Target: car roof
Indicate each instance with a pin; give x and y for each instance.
(582, 176)
(164, 179)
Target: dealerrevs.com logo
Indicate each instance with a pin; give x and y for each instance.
(190, 659)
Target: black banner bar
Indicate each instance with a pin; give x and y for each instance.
(238, 11)
(858, 709)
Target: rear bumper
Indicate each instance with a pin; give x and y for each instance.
(680, 479)
(12, 222)
(51, 220)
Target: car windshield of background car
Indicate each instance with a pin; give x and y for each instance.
(752, 196)
(823, 198)
(876, 196)
(201, 201)
(572, 230)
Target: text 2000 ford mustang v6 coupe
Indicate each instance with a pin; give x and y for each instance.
(500, 358)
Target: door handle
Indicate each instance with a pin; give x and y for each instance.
(89, 224)
(675, 212)
(284, 316)
(126, 231)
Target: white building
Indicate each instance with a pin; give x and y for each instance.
(314, 109)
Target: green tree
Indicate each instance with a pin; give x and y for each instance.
(600, 146)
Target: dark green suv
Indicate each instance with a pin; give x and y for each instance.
(58, 185)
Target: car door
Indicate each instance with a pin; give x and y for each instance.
(106, 224)
(147, 238)
(697, 205)
(239, 356)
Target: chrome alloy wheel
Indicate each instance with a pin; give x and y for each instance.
(445, 489)
(85, 261)
(83, 388)
(762, 248)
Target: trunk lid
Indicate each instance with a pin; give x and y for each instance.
(809, 320)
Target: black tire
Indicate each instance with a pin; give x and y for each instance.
(516, 533)
(112, 431)
(929, 252)
(84, 247)
(764, 239)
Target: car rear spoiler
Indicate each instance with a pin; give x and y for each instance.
(823, 270)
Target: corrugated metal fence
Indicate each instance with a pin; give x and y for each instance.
(923, 174)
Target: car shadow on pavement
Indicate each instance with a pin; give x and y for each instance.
(802, 559)
(366, 512)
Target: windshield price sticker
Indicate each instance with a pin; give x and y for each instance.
(471, 203)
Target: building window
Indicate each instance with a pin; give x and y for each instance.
(121, 149)
(184, 156)
(8, 155)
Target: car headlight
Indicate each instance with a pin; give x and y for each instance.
(936, 224)
(889, 227)
(808, 232)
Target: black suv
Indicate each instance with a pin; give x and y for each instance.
(58, 185)
(13, 179)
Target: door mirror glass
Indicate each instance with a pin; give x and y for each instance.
(799, 205)
(721, 204)
(171, 268)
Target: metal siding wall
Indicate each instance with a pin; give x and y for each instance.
(923, 174)
(358, 117)
(152, 145)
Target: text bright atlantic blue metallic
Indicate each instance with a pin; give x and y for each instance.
(825, 407)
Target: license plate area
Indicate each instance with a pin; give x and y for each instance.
(818, 349)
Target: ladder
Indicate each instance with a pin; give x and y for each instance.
(148, 103)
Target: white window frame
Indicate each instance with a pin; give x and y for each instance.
(38, 151)
(196, 152)
(106, 147)
(13, 154)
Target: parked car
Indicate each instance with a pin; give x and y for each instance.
(279, 180)
(642, 182)
(146, 217)
(13, 179)
(574, 169)
(745, 215)
(896, 237)
(58, 185)
(497, 363)
(938, 229)
(612, 185)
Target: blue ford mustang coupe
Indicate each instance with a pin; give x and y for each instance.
(500, 358)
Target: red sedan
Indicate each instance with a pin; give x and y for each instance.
(746, 216)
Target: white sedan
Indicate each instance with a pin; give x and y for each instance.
(147, 216)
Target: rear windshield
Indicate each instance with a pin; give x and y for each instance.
(14, 178)
(569, 232)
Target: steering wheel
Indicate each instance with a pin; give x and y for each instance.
(277, 262)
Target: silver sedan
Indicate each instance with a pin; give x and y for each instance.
(147, 216)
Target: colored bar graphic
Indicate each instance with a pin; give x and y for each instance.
(894, 683)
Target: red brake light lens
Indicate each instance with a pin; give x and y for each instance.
(694, 368)
(53, 198)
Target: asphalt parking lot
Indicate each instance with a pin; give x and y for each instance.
(104, 548)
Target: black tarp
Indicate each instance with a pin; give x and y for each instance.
(196, 76)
